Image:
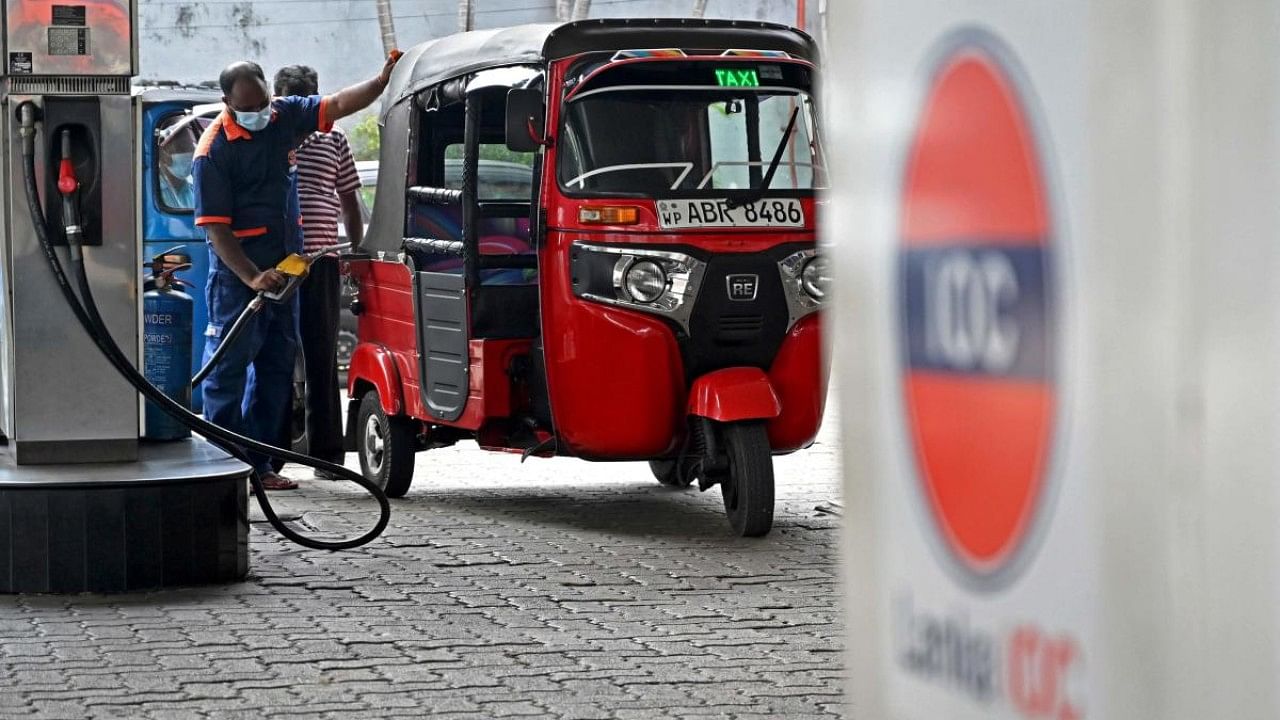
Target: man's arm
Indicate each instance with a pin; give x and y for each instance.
(351, 218)
(357, 97)
(227, 245)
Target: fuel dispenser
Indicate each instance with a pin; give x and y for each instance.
(84, 505)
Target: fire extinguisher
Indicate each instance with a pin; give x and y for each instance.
(167, 314)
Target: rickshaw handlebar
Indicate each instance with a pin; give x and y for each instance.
(434, 195)
(432, 246)
(428, 246)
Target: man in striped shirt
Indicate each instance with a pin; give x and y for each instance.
(327, 188)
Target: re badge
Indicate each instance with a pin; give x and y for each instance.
(977, 300)
(742, 287)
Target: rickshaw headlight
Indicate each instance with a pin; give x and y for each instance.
(645, 281)
(814, 278)
(650, 280)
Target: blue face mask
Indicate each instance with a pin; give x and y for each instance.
(254, 121)
(180, 165)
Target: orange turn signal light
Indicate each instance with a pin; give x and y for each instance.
(609, 215)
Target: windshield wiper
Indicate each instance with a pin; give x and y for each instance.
(773, 165)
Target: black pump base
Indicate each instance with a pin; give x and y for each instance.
(178, 516)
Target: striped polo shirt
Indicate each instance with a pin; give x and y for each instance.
(325, 171)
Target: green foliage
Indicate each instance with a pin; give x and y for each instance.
(364, 138)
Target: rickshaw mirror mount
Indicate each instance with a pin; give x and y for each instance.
(526, 120)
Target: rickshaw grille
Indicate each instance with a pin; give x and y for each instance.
(739, 328)
(728, 332)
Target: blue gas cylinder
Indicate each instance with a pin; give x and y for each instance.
(166, 350)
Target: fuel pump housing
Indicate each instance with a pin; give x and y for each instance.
(84, 505)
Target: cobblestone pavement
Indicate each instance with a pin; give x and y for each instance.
(557, 588)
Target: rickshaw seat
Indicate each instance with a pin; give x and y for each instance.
(497, 236)
(446, 222)
(443, 222)
(444, 255)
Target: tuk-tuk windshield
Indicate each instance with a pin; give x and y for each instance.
(647, 141)
(175, 143)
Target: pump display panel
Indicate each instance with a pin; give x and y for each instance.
(78, 37)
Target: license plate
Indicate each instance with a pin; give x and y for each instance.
(678, 214)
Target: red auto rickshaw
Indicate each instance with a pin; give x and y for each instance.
(647, 288)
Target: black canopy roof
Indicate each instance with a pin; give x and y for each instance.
(464, 53)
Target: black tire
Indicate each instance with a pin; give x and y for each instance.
(346, 348)
(748, 486)
(386, 446)
(667, 473)
(298, 439)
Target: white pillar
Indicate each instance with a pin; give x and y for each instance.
(1141, 583)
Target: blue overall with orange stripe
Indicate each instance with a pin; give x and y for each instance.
(244, 180)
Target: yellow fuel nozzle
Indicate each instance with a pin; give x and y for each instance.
(294, 265)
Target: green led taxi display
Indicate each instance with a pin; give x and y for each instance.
(734, 77)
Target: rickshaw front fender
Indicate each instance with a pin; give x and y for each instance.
(373, 364)
(733, 394)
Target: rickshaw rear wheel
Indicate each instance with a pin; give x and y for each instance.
(670, 473)
(386, 446)
(747, 487)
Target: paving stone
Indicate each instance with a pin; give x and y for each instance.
(556, 588)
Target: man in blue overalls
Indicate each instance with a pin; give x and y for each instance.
(248, 207)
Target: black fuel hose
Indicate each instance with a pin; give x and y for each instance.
(229, 338)
(236, 445)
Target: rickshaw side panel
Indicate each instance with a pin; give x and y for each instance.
(489, 383)
(386, 325)
(792, 374)
(615, 376)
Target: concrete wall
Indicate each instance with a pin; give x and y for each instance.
(191, 40)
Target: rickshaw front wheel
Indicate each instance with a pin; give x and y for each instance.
(387, 446)
(747, 488)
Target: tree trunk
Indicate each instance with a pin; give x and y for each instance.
(564, 10)
(466, 15)
(699, 8)
(386, 25)
(581, 9)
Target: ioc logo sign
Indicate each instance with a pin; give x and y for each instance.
(977, 310)
(969, 298)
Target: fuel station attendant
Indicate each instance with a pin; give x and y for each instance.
(248, 208)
